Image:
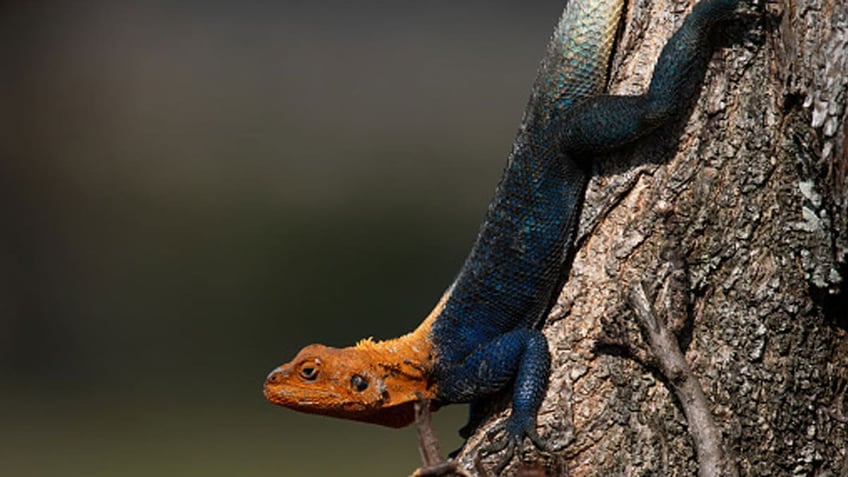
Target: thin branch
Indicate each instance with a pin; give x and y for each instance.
(671, 362)
(433, 465)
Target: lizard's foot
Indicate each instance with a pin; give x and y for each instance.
(507, 437)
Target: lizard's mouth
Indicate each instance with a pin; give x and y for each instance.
(328, 403)
(294, 399)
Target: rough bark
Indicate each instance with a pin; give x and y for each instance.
(747, 190)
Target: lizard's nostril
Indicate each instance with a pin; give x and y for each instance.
(274, 376)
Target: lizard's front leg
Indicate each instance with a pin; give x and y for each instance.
(520, 356)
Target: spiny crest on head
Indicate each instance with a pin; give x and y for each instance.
(366, 343)
(370, 344)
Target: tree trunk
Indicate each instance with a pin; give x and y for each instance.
(732, 223)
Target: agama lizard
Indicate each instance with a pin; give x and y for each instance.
(483, 336)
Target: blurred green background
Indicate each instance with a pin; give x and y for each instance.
(192, 191)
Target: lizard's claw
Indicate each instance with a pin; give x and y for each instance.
(509, 440)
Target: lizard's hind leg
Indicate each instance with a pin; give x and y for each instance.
(603, 123)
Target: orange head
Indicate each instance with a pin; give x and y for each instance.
(377, 382)
(370, 382)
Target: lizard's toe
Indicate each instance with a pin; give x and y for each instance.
(505, 438)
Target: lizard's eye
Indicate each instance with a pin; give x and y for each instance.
(309, 371)
(359, 383)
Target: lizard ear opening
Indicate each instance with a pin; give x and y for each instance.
(309, 370)
(359, 383)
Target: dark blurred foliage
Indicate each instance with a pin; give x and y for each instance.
(191, 191)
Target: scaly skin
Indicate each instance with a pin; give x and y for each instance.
(483, 335)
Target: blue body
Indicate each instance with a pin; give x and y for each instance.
(486, 338)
